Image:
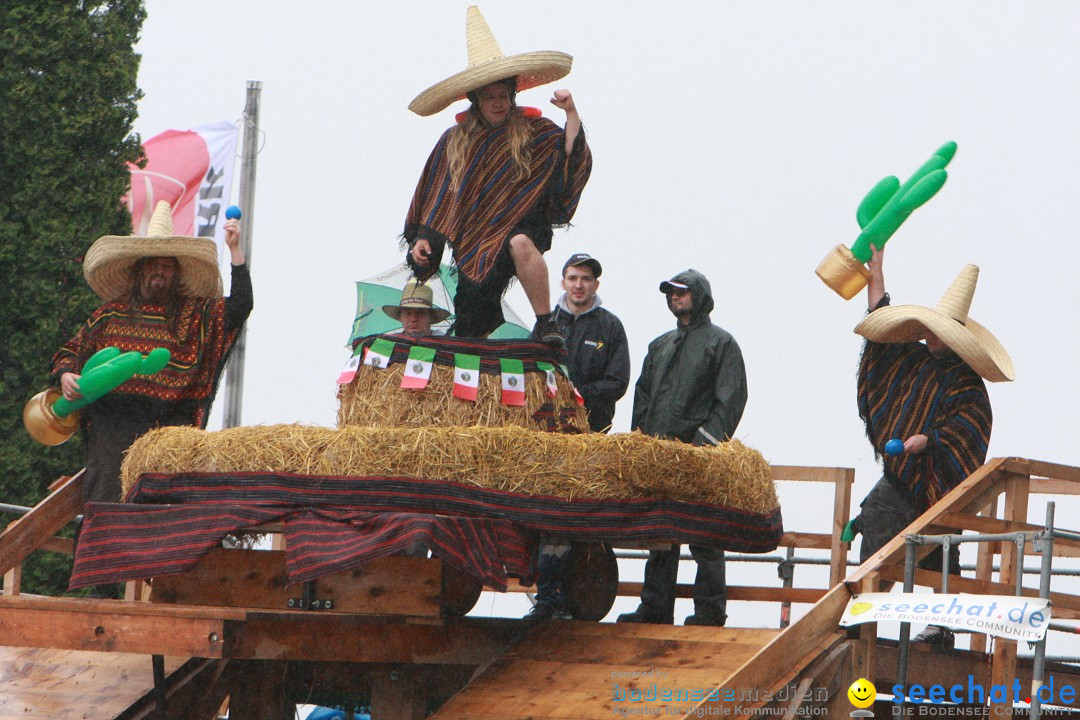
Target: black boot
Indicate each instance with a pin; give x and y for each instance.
(547, 332)
(937, 637)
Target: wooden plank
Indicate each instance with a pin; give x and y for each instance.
(82, 606)
(257, 691)
(768, 667)
(806, 540)
(957, 584)
(1023, 466)
(838, 549)
(1003, 666)
(368, 638)
(758, 636)
(26, 534)
(113, 632)
(13, 581)
(1063, 547)
(798, 473)
(257, 579)
(68, 685)
(739, 592)
(399, 693)
(1045, 486)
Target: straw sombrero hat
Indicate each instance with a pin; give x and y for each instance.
(416, 296)
(109, 260)
(487, 64)
(949, 321)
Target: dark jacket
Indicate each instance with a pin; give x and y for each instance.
(693, 383)
(599, 359)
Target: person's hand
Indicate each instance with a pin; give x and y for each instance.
(876, 262)
(564, 101)
(69, 386)
(916, 444)
(232, 233)
(421, 252)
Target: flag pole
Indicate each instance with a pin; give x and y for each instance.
(234, 377)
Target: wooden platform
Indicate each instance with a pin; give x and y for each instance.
(72, 684)
(566, 669)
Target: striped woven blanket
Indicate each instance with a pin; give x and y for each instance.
(336, 523)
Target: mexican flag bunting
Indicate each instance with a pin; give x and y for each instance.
(513, 381)
(577, 395)
(379, 352)
(549, 370)
(466, 376)
(418, 368)
(349, 371)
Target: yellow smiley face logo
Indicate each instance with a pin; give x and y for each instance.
(862, 693)
(860, 607)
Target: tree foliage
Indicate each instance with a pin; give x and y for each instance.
(68, 96)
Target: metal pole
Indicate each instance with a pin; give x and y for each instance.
(905, 627)
(234, 378)
(1039, 662)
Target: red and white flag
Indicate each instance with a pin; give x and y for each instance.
(193, 170)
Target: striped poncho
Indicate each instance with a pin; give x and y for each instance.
(198, 339)
(903, 390)
(492, 201)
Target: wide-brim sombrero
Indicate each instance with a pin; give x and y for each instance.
(108, 263)
(949, 321)
(416, 296)
(487, 64)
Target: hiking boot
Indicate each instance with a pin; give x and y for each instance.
(547, 331)
(701, 619)
(642, 615)
(937, 637)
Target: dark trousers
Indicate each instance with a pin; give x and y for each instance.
(661, 576)
(886, 511)
(550, 569)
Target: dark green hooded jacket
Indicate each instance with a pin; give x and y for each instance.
(693, 383)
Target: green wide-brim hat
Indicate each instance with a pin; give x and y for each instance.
(487, 64)
(108, 263)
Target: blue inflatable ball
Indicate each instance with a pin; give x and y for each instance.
(894, 447)
(233, 212)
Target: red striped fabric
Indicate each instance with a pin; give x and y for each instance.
(335, 523)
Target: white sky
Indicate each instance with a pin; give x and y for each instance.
(735, 138)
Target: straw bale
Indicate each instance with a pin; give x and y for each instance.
(593, 466)
(375, 398)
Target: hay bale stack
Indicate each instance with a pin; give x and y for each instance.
(592, 466)
(375, 397)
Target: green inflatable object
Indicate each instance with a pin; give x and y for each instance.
(105, 370)
(850, 531)
(888, 204)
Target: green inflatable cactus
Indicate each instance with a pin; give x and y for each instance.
(106, 369)
(888, 204)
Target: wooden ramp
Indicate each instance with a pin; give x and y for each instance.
(565, 669)
(72, 684)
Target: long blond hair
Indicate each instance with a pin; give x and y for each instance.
(518, 131)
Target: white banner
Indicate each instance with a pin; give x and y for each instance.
(193, 170)
(1005, 616)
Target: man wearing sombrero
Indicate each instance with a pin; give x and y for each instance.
(497, 182)
(931, 396)
(416, 311)
(161, 290)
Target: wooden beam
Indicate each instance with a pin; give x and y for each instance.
(984, 568)
(399, 693)
(257, 691)
(29, 532)
(257, 579)
(838, 549)
(798, 473)
(115, 629)
(368, 638)
(1030, 468)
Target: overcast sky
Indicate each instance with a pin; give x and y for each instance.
(734, 138)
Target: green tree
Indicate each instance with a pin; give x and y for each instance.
(68, 96)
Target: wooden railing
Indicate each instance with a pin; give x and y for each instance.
(995, 499)
(37, 529)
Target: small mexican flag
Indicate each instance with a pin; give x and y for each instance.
(513, 381)
(466, 376)
(418, 368)
(349, 371)
(577, 396)
(549, 370)
(378, 353)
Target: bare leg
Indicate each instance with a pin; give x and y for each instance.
(531, 270)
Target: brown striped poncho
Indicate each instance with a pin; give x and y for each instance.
(492, 202)
(903, 390)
